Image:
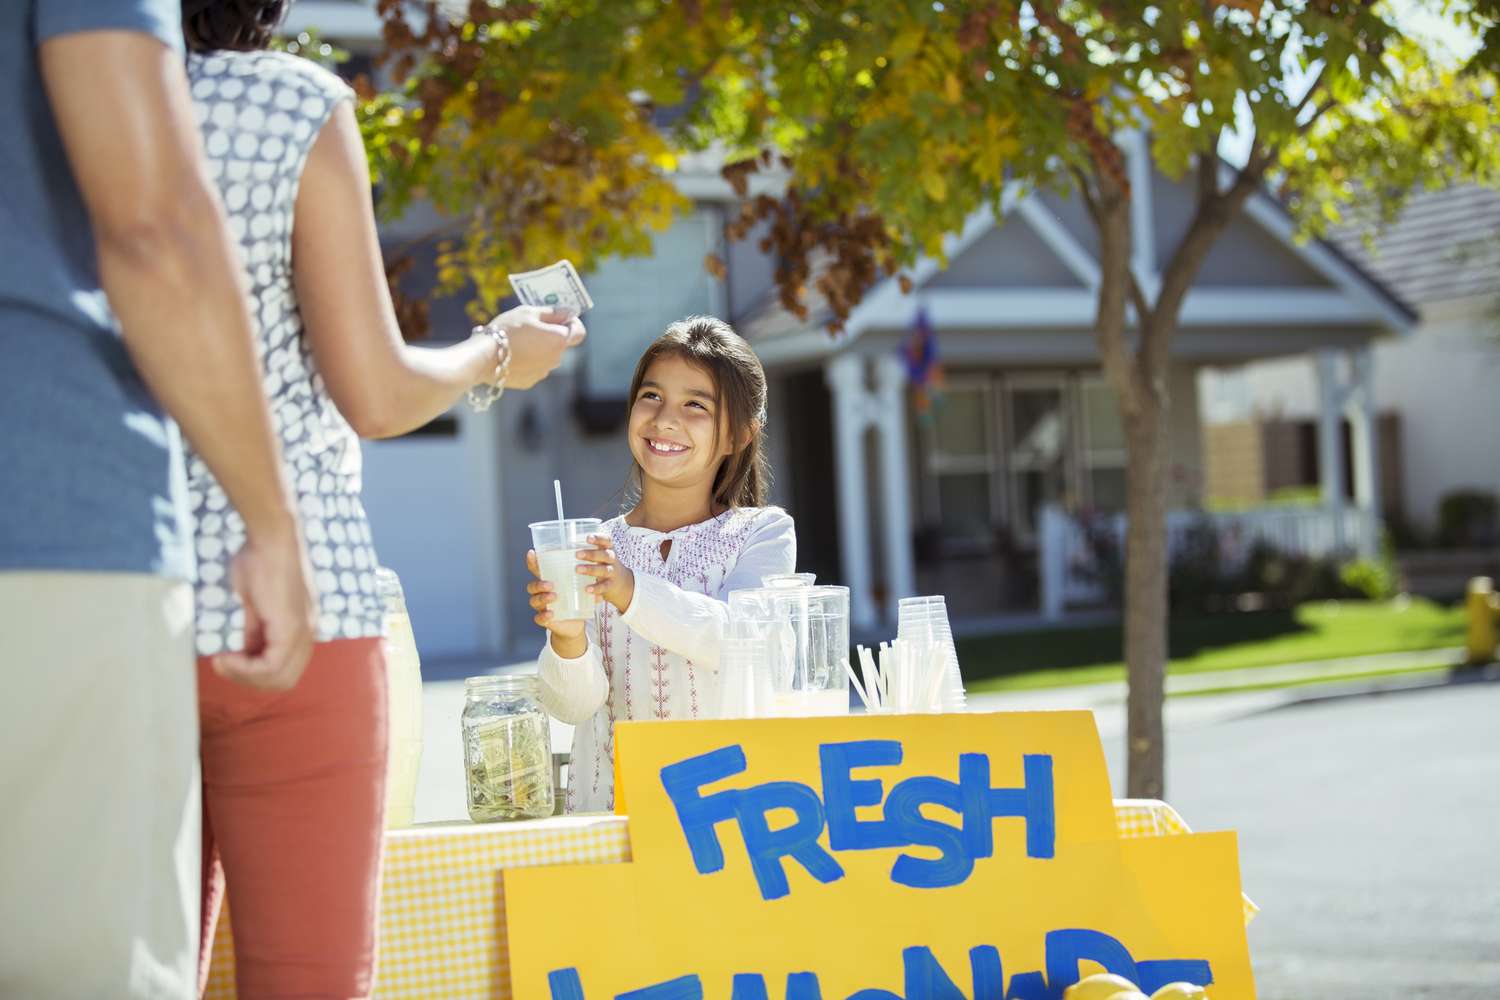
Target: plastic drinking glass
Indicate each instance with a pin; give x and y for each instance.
(557, 544)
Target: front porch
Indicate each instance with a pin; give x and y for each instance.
(986, 499)
(955, 502)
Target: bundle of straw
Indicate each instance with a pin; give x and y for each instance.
(909, 677)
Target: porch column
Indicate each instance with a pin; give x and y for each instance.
(895, 480)
(845, 375)
(1365, 441)
(1330, 454)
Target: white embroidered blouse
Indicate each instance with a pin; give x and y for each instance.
(660, 658)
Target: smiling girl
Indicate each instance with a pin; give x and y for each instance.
(699, 529)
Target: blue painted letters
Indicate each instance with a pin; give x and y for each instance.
(902, 823)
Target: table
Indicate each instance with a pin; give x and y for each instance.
(442, 907)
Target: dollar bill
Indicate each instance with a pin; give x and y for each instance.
(556, 286)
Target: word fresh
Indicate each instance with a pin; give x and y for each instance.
(902, 823)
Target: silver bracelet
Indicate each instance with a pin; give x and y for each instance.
(483, 396)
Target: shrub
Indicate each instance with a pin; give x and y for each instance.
(1372, 579)
(1468, 517)
(1197, 579)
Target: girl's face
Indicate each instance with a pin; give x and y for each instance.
(673, 420)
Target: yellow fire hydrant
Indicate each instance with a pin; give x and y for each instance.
(1483, 606)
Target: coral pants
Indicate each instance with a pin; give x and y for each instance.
(293, 809)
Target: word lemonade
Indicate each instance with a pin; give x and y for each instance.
(964, 857)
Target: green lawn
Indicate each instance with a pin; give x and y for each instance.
(1317, 631)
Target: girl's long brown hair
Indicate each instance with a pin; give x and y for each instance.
(744, 478)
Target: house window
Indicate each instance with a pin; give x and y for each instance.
(1103, 445)
(1002, 446)
(960, 453)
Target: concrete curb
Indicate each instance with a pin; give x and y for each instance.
(1334, 690)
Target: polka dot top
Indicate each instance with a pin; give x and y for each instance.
(260, 113)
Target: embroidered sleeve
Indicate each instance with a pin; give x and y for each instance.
(692, 625)
(572, 689)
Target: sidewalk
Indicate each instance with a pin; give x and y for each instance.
(1214, 696)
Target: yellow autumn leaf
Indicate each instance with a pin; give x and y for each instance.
(934, 184)
(908, 42)
(988, 164)
(952, 89)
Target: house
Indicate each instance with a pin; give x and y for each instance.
(1437, 387)
(966, 502)
(956, 504)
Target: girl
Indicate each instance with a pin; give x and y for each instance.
(293, 781)
(665, 569)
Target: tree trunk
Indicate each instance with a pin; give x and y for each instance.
(1146, 590)
(1139, 379)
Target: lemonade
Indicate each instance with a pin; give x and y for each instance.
(559, 568)
(785, 704)
(557, 544)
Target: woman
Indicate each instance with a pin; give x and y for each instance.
(294, 782)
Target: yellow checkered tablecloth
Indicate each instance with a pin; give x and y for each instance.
(442, 906)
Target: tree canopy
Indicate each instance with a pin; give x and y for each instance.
(876, 130)
(553, 128)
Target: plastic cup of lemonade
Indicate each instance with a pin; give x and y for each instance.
(557, 544)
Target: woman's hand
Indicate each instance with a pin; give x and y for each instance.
(568, 640)
(616, 583)
(539, 337)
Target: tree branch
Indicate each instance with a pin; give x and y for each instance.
(1209, 222)
(1114, 287)
(1319, 108)
(1089, 201)
(1249, 178)
(1138, 299)
(1208, 177)
(1318, 112)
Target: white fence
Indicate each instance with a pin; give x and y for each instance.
(1066, 562)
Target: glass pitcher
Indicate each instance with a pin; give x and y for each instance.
(806, 629)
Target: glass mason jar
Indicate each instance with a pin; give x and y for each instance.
(507, 749)
(403, 677)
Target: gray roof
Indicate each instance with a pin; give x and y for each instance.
(1444, 245)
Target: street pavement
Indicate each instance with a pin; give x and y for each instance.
(1369, 835)
(1369, 822)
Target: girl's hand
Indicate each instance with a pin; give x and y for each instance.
(616, 583)
(569, 632)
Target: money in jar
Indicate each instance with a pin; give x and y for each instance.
(507, 749)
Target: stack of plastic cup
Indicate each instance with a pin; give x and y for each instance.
(925, 620)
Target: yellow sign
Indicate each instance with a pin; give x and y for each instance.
(961, 857)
